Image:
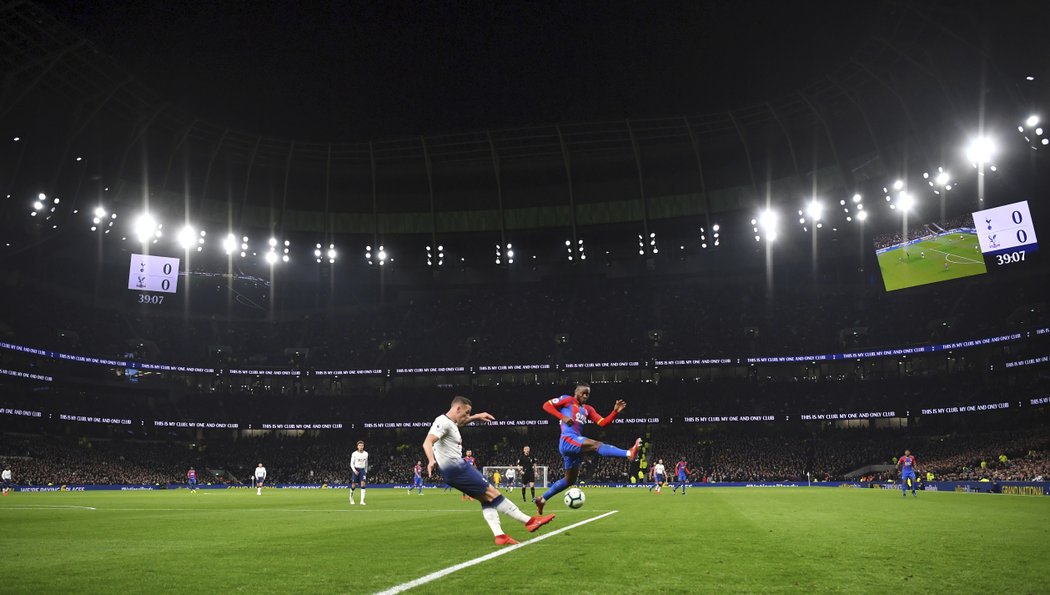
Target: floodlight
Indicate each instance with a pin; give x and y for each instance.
(186, 237)
(980, 150)
(145, 227)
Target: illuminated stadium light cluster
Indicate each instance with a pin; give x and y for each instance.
(380, 255)
(229, 244)
(858, 204)
(271, 254)
(440, 255)
(320, 254)
(1033, 132)
(980, 151)
(189, 238)
(715, 236)
(44, 207)
(905, 202)
(765, 225)
(145, 228)
(813, 213)
(99, 220)
(941, 180)
(653, 248)
(507, 255)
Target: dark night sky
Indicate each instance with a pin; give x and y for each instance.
(347, 72)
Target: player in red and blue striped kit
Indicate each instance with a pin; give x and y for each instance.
(681, 469)
(191, 479)
(573, 411)
(417, 480)
(908, 467)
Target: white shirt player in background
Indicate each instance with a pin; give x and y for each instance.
(444, 448)
(358, 470)
(6, 479)
(658, 475)
(260, 479)
(511, 474)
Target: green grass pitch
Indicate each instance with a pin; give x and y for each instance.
(962, 254)
(714, 539)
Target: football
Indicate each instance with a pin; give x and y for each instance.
(574, 498)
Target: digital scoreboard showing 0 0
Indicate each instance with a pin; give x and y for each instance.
(1006, 233)
(153, 273)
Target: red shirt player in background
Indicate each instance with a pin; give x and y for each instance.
(681, 469)
(191, 479)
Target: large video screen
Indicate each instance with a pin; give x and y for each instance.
(940, 251)
(930, 253)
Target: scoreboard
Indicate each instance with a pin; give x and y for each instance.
(1005, 230)
(153, 273)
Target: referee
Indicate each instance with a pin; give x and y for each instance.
(527, 466)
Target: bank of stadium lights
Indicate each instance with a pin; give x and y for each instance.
(271, 255)
(1033, 132)
(229, 244)
(905, 202)
(765, 225)
(145, 228)
(715, 231)
(504, 253)
(581, 249)
(980, 151)
(380, 255)
(939, 180)
(440, 256)
(190, 238)
(651, 241)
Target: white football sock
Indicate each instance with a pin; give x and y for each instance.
(362, 495)
(510, 509)
(492, 518)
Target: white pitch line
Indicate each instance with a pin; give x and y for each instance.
(46, 507)
(946, 254)
(447, 571)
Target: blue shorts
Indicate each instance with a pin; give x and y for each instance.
(681, 478)
(659, 478)
(465, 478)
(259, 482)
(193, 482)
(571, 448)
(358, 475)
(907, 474)
(418, 481)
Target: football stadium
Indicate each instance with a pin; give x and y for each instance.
(513, 297)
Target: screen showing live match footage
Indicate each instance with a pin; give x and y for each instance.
(936, 251)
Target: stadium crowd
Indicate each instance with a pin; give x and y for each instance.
(831, 455)
(665, 318)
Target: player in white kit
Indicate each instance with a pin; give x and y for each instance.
(260, 479)
(444, 448)
(659, 476)
(6, 479)
(358, 471)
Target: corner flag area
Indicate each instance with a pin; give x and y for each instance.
(939, 258)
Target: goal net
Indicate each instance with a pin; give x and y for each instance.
(508, 482)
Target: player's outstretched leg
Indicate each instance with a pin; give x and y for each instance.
(493, 504)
